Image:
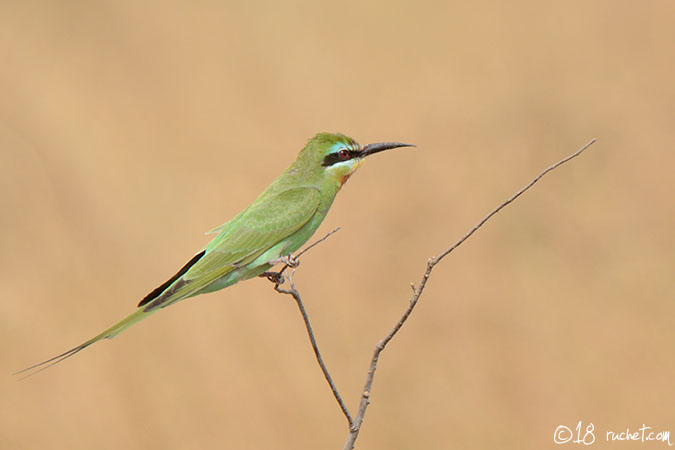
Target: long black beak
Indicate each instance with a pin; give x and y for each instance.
(381, 146)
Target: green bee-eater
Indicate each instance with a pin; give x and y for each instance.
(276, 224)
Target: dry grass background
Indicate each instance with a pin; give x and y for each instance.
(127, 129)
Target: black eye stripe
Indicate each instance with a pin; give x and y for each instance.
(333, 158)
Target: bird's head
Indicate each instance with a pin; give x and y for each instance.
(339, 156)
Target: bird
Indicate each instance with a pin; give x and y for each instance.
(283, 218)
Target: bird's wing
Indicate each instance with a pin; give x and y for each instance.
(260, 227)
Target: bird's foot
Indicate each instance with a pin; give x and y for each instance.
(275, 277)
(287, 260)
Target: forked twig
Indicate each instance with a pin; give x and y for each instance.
(278, 279)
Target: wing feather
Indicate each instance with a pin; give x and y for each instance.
(263, 225)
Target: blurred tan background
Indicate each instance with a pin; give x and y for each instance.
(127, 130)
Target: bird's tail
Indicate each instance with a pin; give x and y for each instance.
(110, 333)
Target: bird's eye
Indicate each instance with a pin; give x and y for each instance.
(343, 154)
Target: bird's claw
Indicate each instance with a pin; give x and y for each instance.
(292, 262)
(287, 260)
(275, 277)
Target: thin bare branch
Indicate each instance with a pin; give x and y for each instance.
(417, 293)
(293, 261)
(315, 243)
(278, 278)
(293, 292)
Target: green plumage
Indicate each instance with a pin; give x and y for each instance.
(276, 224)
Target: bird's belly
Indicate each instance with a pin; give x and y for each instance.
(237, 275)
